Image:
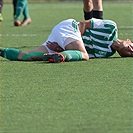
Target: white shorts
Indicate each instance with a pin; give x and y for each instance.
(64, 33)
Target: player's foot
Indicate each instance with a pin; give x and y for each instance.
(26, 21)
(1, 18)
(53, 57)
(17, 23)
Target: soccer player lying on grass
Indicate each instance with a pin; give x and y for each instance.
(99, 40)
(67, 34)
(72, 42)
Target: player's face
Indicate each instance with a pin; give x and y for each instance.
(127, 49)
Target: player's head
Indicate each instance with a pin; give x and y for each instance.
(126, 49)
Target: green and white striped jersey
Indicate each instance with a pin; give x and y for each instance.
(99, 38)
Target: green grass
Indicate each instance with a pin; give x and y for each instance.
(92, 96)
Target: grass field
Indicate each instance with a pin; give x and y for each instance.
(92, 96)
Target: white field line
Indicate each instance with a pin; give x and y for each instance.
(125, 27)
(30, 35)
(16, 35)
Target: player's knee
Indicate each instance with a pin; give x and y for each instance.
(88, 5)
(97, 1)
(87, 2)
(97, 5)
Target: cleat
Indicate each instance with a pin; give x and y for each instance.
(53, 57)
(17, 23)
(1, 18)
(26, 21)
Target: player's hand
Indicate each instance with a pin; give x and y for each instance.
(54, 46)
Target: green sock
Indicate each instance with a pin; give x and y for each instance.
(21, 4)
(72, 55)
(10, 54)
(26, 11)
(33, 56)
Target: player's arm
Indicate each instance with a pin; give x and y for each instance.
(83, 25)
(54, 46)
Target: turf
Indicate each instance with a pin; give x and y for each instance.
(92, 96)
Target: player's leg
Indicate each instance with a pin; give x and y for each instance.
(97, 9)
(14, 2)
(93, 8)
(88, 9)
(18, 55)
(33, 55)
(19, 10)
(27, 19)
(1, 6)
(75, 51)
